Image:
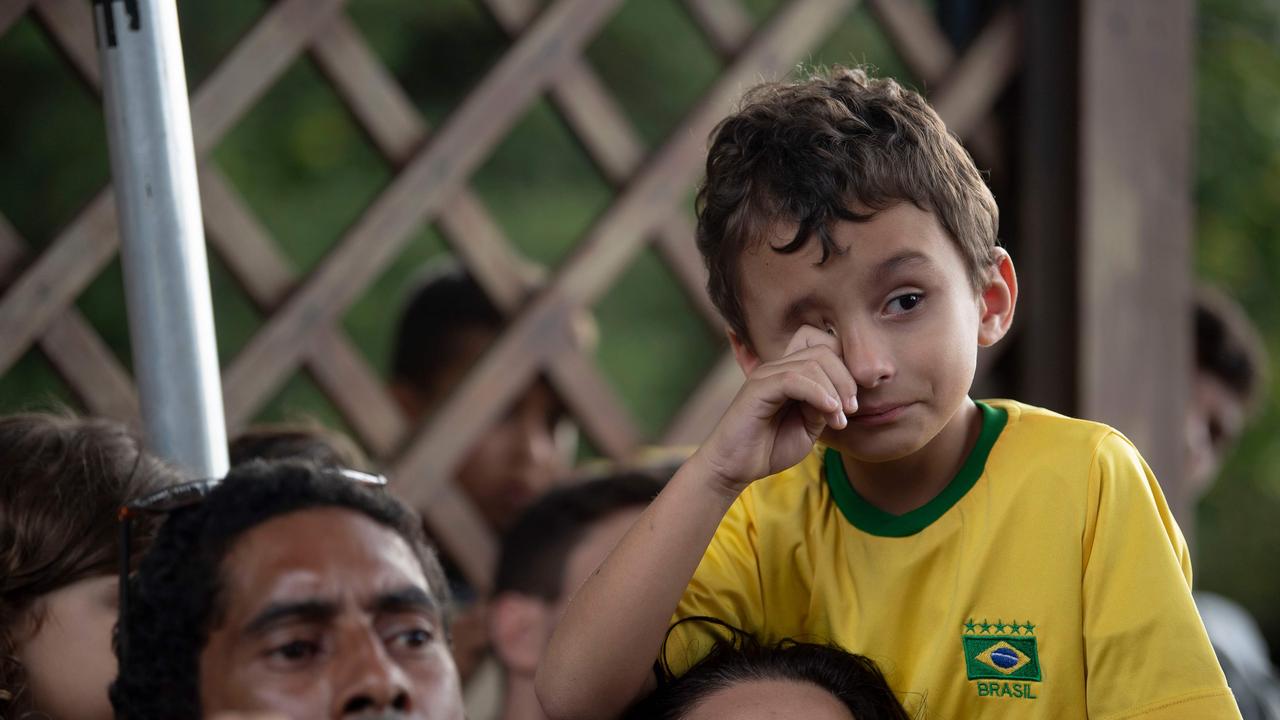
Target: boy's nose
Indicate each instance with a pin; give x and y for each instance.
(867, 359)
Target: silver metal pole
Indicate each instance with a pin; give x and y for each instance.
(153, 171)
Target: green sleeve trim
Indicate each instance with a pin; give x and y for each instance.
(870, 519)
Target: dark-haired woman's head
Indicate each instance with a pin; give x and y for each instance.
(62, 480)
(745, 679)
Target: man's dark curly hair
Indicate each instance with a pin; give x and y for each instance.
(737, 657)
(175, 599)
(838, 145)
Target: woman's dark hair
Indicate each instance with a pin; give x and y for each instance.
(737, 657)
(62, 481)
(175, 597)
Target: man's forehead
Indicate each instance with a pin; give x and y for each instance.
(328, 553)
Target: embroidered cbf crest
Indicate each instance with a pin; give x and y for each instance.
(1001, 651)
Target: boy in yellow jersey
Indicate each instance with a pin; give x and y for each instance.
(995, 559)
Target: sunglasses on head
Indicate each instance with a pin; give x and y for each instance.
(177, 497)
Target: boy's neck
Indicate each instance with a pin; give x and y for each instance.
(900, 486)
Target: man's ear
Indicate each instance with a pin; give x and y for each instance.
(519, 629)
(997, 300)
(742, 352)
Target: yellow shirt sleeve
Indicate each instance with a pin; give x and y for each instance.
(726, 586)
(1146, 652)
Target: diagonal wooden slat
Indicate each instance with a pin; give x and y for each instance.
(368, 89)
(12, 251)
(703, 411)
(981, 75)
(267, 277)
(506, 277)
(70, 23)
(10, 12)
(725, 23)
(426, 183)
(254, 66)
(345, 376)
(615, 146)
(609, 245)
(675, 243)
(54, 280)
(245, 245)
(75, 349)
(80, 251)
(917, 37)
(919, 40)
(90, 368)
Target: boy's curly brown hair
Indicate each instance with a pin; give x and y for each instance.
(838, 145)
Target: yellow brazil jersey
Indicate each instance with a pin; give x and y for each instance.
(1048, 580)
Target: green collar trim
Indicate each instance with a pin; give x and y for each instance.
(870, 519)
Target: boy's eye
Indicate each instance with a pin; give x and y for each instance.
(904, 303)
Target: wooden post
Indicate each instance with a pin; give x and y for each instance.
(1046, 252)
(1136, 129)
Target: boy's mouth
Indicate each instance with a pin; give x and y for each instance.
(878, 414)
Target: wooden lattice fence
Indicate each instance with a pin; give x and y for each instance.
(433, 167)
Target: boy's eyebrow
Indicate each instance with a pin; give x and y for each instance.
(796, 311)
(302, 610)
(907, 257)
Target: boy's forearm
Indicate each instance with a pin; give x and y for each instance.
(601, 656)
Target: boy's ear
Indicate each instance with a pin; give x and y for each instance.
(519, 629)
(742, 352)
(997, 300)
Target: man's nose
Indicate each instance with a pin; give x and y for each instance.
(372, 683)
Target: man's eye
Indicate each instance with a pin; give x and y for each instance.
(413, 639)
(296, 650)
(904, 303)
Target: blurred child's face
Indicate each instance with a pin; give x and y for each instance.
(516, 460)
(68, 658)
(1215, 419)
(766, 699)
(903, 311)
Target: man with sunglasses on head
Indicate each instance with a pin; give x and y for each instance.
(288, 589)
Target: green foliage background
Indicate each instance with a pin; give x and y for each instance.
(307, 171)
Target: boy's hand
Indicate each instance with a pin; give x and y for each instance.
(780, 411)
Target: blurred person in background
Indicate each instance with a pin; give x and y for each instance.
(309, 441)
(1229, 386)
(446, 325)
(292, 589)
(62, 481)
(744, 679)
(445, 328)
(545, 557)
